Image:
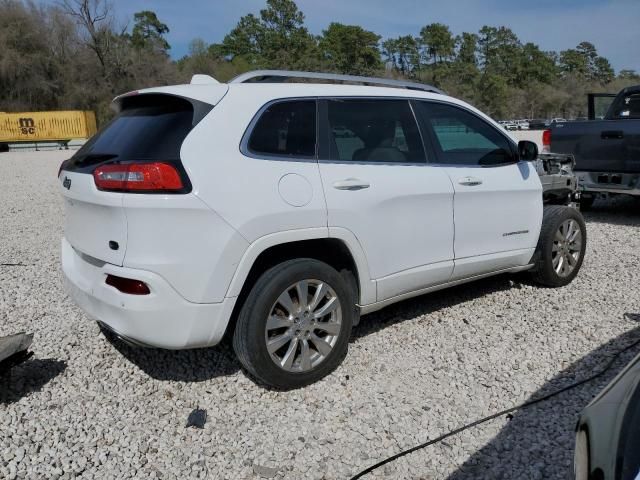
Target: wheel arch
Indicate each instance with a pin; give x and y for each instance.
(342, 251)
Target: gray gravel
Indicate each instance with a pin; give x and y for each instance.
(85, 406)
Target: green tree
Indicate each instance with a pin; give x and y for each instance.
(467, 44)
(403, 53)
(245, 39)
(461, 78)
(286, 39)
(149, 31)
(350, 49)
(75, 55)
(573, 62)
(493, 95)
(627, 74)
(603, 71)
(589, 53)
(584, 63)
(198, 60)
(537, 66)
(210, 60)
(278, 39)
(500, 53)
(438, 42)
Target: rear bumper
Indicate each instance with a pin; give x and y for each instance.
(608, 182)
(161, 319)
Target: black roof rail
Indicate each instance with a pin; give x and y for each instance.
(276, 76)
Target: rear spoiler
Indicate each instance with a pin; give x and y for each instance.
(197, 93)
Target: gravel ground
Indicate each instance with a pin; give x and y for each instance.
(86, 406)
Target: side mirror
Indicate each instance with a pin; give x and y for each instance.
(527, 150)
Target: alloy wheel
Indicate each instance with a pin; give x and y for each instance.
(303, 325)
(567, 247)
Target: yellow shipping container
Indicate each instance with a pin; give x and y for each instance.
(46, 126)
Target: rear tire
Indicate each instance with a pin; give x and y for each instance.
(295, 324)
(561, 246)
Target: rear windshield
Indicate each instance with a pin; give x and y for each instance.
(626, 105)
(149, 127)
(630, 106)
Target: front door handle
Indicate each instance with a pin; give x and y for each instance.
(470, 181)
(351, 184)
(612, 134)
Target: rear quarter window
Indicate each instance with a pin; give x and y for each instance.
(285, 129)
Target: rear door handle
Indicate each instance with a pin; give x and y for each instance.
(612, 134)
(470, 181)
(351, 184)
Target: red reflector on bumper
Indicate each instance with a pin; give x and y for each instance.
(128, 285)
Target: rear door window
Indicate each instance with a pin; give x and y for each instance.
(285, 129)
(462, 138)
(371, 130)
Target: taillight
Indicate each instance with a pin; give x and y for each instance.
(138, 177)
(128, 285)
(546, 141)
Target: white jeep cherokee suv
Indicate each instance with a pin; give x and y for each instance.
(279, 212)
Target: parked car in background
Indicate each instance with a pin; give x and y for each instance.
(511, 125)
(538, 124)
(280, 212)
(557, 120)
(508, 124)
(607, 152)
(608, 432)
(540, 137)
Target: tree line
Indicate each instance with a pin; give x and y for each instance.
(76, 55)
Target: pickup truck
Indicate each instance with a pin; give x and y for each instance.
(607, 151)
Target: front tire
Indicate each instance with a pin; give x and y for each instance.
(581, 469)
(561, 246)
(295, 324)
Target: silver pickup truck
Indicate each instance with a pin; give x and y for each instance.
(606, 151)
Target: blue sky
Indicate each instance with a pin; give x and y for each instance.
(612, 25)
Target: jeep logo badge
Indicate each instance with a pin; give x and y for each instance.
(66, 183)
